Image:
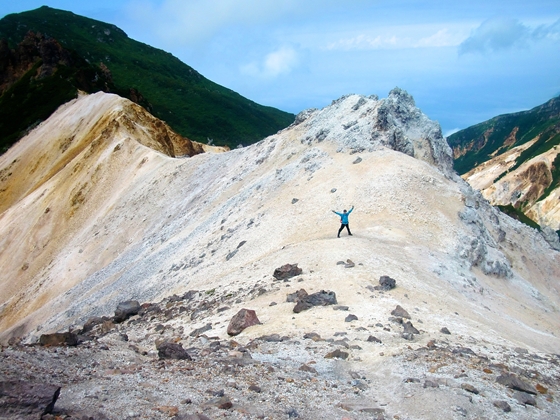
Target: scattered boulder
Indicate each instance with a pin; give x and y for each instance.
(444, 330)
(245, 318)
(524, 398)
(469, 388)
(307, 368)
(513, 382)
(126, 309)
(313, 336)
(351, 318)
(373, 339)
(322, 298)
(296, 296)
(386, 283)
(168, 350)
(287, 271)
(503, 405)
(59, 339)
(337, 354)
(409, 328)
(27, 400)
(400, 312)
(201, 330)
(91, 323)
(349, 264)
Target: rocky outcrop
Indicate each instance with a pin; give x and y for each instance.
(26, 400)
(359, 123)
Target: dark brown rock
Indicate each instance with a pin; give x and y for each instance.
(245, 318)
(27, 400)
(287, 271)
(400, 312)
(59, 339)
(168, 350)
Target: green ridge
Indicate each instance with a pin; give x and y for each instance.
(191, 104)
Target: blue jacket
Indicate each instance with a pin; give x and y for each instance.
(344, 216)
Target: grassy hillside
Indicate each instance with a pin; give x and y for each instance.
(191, 104)
(481, 141)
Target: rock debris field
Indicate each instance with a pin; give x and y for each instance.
(116, 367)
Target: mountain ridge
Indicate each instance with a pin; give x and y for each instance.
(196, 239)
(193, 105)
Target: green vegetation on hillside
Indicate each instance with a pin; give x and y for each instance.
(191, 104)
(542, 121)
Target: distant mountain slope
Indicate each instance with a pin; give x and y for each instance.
(191, 104)
(481, 142)
(514, 159)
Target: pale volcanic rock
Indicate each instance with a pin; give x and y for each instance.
(131, 223)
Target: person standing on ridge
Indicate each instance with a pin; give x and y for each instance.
(344, 220)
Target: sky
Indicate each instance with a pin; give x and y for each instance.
(463, 61)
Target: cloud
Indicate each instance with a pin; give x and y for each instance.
(499, 33)
(440, 38)
(194, 21)
(281, 61)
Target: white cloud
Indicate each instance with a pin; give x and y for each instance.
(408, 38)
(499, 33)
(281, 61)
(179, 22)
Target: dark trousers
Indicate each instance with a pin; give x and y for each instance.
(342, 226)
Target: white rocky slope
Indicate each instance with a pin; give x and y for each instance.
(122, 221)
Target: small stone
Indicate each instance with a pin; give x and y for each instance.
(295, 200)
(351, 318)
(337, 354)
(444, 330)
(430, 384)
(357, 160)
(513, 382)
(524, 398)
(243, 319)
(313, 336)
(322, 298)
(341, 308)
(126, 309)
(409, 328)
(469, 388)
(307, 368)
(386, 283)
(502, 405)
(168, 350)
(349, 264)
(400, 312)
(272, 304)
(255, 388)
(541, 389)
(373, 339)
(201, 330)
(333, 190)
(287, 271)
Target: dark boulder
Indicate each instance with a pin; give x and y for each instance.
(287, 271)
(126, 309)
(400, 312)
(386, 283)
(168, 350)
(409, 328)
(322, 298)
(243, 319)
(26, 400)
(59, 339)
(296, 296)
